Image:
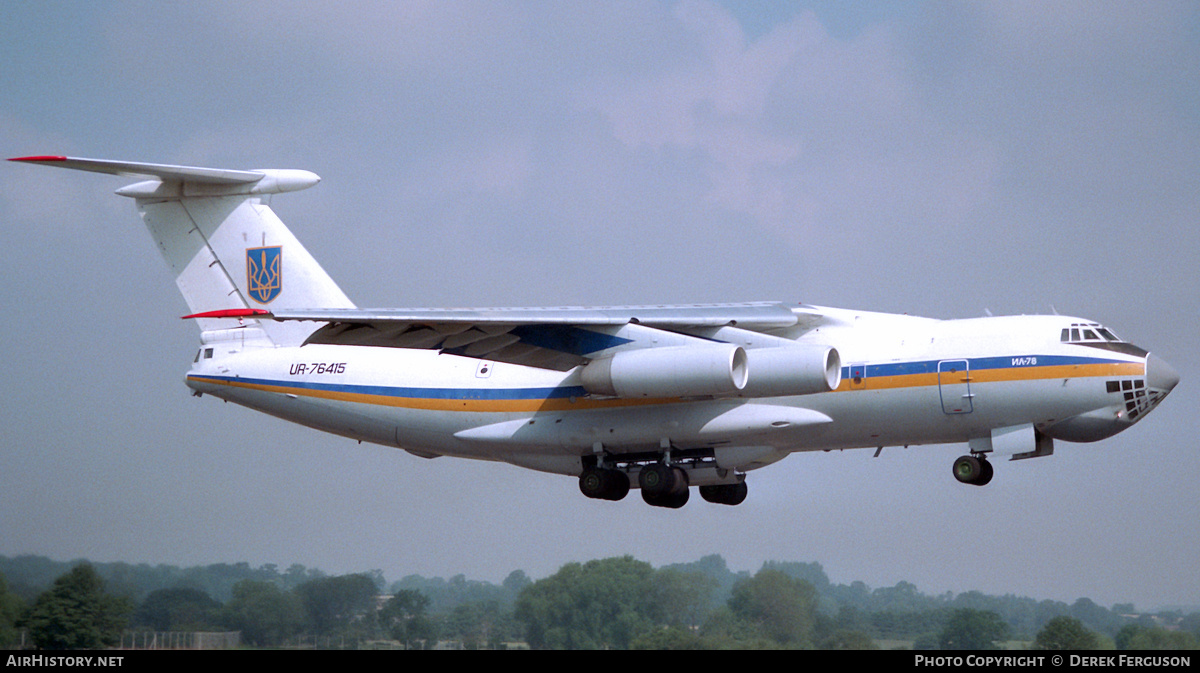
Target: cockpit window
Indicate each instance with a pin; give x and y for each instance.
(1081, 332)
(1096, 335)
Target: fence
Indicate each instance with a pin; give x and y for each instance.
(180, 640)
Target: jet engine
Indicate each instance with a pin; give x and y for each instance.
(715, 370)
(792, 370)
(677, 371)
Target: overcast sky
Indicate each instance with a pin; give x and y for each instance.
(940, 159)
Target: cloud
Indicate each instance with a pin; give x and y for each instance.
(813, 137)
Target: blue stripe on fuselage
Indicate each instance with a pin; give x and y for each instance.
(1000, 362)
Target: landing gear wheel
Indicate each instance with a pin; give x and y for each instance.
(986, 473)
(604, 484)
(967, 469)
(725, 494)
(592, 482)
(972, 470)
(657, 478)
(663, 485)
(669, 500)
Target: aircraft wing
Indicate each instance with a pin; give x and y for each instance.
(748, 315)
(552, 338)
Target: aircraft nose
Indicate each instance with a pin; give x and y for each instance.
(1160, 375)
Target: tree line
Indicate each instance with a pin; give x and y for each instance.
(607, 603)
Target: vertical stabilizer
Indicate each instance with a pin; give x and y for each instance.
(234, 252)
(226, 247)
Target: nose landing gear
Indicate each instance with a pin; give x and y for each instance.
(974, 470)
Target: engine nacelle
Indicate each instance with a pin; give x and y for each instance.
(792, 370)
(676, 371)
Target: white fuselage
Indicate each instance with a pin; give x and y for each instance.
(905, 380)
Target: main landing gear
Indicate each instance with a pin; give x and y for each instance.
(604, 484)
(974, 470)
(662, 485)
(724, 494)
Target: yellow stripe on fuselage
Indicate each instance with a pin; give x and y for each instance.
(551, 404)
(1033, 373)
(435, 404)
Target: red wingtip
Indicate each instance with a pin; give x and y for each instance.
(45, 158)
(230, 313)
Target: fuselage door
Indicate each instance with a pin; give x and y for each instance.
(954, 384)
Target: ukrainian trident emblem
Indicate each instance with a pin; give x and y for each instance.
(264, 273)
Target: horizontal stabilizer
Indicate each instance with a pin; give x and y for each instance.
(165, 172)
(231, 313)
(183, 181)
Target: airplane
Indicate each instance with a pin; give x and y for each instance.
(659, 398)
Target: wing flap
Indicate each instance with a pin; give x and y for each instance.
(751, 315)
